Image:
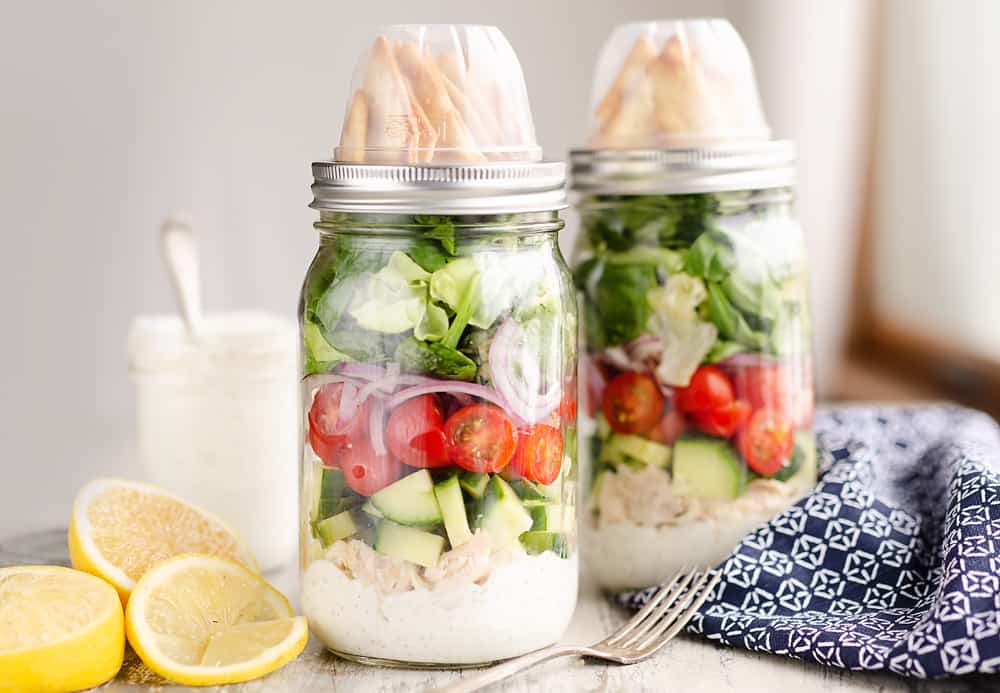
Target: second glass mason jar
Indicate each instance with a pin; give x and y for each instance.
(692, 266)
(698, 415)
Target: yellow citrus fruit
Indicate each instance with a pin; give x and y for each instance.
(120, 529)
(203, 620)
(60, 630)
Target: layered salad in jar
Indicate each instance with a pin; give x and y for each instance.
(439, 403)
(698, 379)
(439, 359)
(696, 325)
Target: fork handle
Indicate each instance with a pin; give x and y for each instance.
(509, 668)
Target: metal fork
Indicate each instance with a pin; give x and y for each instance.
(644, 635)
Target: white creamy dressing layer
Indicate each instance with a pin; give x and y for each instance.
(627, 556)
(644, 534)
(523, 605)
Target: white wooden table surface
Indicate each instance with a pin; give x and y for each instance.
(688, 665)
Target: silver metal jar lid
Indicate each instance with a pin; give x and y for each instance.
(718, 168)
(494, 188)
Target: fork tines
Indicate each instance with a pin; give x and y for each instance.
(666, 613)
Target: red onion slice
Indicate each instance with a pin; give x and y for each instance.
(313, 382)
(376, 422)
(455, 388)
(362, 371)
(529, 404)
(348, 404)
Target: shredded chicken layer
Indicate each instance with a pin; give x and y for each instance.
(645, 497)
(473, 562)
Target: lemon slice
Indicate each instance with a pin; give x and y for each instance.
(120, 529)
(203, 620)
(60, 630)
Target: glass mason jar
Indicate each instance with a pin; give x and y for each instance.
(698, 415)
(438, 522)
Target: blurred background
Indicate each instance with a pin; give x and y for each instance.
(113, 114)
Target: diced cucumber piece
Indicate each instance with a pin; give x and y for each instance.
(456, 523)
(802, 465)
(335, 528)
(530, 493)
(540, 542)
(504, 516)
(550, 518)
(409, 501)
(603, 427)
(707, 468)
(408, 543)
(623, 449)
(369, 508)
(595, 489)
(474, 483)
(554, 491)
(328, 489)
(314, 550)
(349, 501)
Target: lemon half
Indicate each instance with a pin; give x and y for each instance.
(60, 630)
(120, 529)
(203, 620)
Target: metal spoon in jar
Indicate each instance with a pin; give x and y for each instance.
(180, 253)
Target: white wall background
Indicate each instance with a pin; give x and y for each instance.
(114, 113)
(939, 163)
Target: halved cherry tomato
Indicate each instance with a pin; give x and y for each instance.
(669, 428)
(366, 472)
(632, 403)
(766, 442)
(567, 407)
(539, 454)
(708, 390)
(777, 387)
(722, 422)
(325, 412)
(415, 433)
(480, 438)
(325, 451)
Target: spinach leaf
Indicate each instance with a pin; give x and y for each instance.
(592, 327)
(333, 303)
(620, 300)
(434, 358)
(363, 345)
(722, 350)
(669, 221)
(441, 229)
(711, 257)
(762, 300)
(476, 345)
(586, 271)
(730, 322)
(428, 255)
(320, 356)
(337, 269)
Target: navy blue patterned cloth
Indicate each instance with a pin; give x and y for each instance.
(891, 563)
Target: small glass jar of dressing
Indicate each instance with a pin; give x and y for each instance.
(217, 422)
